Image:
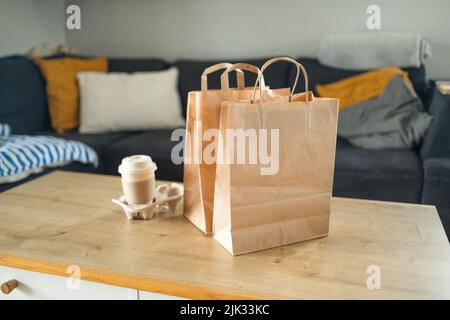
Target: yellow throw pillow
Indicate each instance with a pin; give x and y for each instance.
(62, 88)
(364, 86)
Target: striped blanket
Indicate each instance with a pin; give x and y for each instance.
(5, 130)
(21, 155)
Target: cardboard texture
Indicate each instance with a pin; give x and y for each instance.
(253, 211)
(204, 107)
(244, 209)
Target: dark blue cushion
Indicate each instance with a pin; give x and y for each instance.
(123, 64)
(436, 143)
(436, 188)
(23, 100)
(390, 175)
(436, 182)
(276, 76)
(320, 74)
(136, 65)
(156, 143)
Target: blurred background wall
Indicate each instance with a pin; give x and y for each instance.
(223, 29)
(24, 23)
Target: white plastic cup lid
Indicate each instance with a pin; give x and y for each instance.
(137, 164)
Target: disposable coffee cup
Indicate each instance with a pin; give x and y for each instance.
(138, 179)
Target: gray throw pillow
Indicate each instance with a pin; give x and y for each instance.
(394, 120)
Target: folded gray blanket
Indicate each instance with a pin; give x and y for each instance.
(365, 51)
(394, 120)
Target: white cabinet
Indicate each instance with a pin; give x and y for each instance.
(35, 285)
(40, 286)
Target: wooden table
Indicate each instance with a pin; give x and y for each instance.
(65, 218)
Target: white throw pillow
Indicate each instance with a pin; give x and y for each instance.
(122, 101)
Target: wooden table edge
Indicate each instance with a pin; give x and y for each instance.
(178, 288)
(162, 285)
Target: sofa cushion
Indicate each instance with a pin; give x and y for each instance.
(136, 65)
(392, 175)
(23, 101)
(97, 141)
(437, 182)
(155, 143)
(394, 120)
(122, 64)
(437, 140)
(62, 88)
(276, 76)
(116, 102)
(436, 188)
(320, 74)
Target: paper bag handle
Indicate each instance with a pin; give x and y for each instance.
(224, 81)
(273, 60)
(219, 66)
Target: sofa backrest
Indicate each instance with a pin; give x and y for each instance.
(279, 75)
(136, 65)
(436, 143)
(23, 101)
(276, 76)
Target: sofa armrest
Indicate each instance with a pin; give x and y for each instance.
(436, 143)
(436, 188)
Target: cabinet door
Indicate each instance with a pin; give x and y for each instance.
(35, 285)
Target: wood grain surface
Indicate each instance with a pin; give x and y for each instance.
(65, 219)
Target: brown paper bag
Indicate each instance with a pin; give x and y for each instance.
(256, 206)
(204, 110)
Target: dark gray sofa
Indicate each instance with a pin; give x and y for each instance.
(414, 176)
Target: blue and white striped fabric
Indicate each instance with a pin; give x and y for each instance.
(5, 130)
(21, 155)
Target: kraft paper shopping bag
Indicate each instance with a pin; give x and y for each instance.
(202, 116)
(282, 195)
